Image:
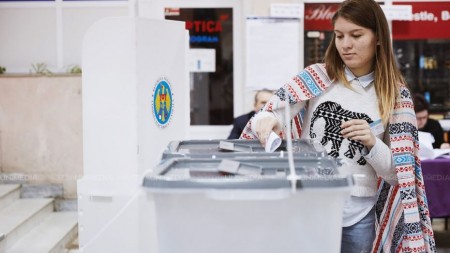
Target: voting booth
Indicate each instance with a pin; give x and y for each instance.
(146, 189)
(135, 100)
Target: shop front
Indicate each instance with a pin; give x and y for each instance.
(422, 48)
(421, 45)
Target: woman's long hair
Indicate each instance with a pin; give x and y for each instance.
(368, 14)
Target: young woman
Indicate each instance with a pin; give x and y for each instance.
(358, 106)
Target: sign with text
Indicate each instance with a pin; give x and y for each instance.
(318, 16)
(210, 62)
(272, 54)
(397, 12)
(285, 10)
(430, 20)
(202, 60)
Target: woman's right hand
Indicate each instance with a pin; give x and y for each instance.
(264, 126)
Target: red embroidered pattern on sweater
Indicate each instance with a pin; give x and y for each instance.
(297, 125)
(408, 184)
(402, 138)
(417, 249)
(246, 136)
(317, 78)
(400, 105)
(385, 220)
(410, 205)
(404, 169)
(292, 91)
(302, 87)
(403, 149)
(414, 237)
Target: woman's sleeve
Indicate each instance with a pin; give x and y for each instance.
(380, 158)
(309, 83)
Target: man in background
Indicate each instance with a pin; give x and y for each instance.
(425, 124)
(261, 98)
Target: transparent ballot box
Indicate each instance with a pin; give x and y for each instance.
(233, 148)
(248, 204)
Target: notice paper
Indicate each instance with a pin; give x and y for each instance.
(426, 141)
(272, 51)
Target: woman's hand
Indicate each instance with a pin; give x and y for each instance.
(358, 130)
(264, 126)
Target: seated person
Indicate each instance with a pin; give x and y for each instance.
(261, 98)
(425, 124)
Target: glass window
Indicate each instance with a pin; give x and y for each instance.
(318, 30)
(212, 91)
(422, 48)
(426, 67)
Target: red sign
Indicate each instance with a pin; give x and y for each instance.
(318, 16)
(431, 20)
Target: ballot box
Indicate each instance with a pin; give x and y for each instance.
(233, 148)
(248, 204)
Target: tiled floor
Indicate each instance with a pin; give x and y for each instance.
(441, 236)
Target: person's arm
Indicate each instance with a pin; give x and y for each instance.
(235, 132)
(274, 119)
(377, 151)
(437, 132)
(307, 84)
(380, 158)
(239, 125)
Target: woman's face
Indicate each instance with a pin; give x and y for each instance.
(356, 46)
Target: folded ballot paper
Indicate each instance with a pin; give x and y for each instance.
(426, 141)
(272, 142)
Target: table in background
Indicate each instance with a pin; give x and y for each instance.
(436, 174)
(445, 124)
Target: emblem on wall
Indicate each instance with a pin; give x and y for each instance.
(162, 102)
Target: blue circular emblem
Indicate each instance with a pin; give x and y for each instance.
(162, 103)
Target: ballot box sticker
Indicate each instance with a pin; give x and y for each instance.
(162, 102)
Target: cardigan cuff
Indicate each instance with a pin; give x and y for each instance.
(380, 157)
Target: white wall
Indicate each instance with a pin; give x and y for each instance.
(48, 32)
(52, 33)
(41, 129)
